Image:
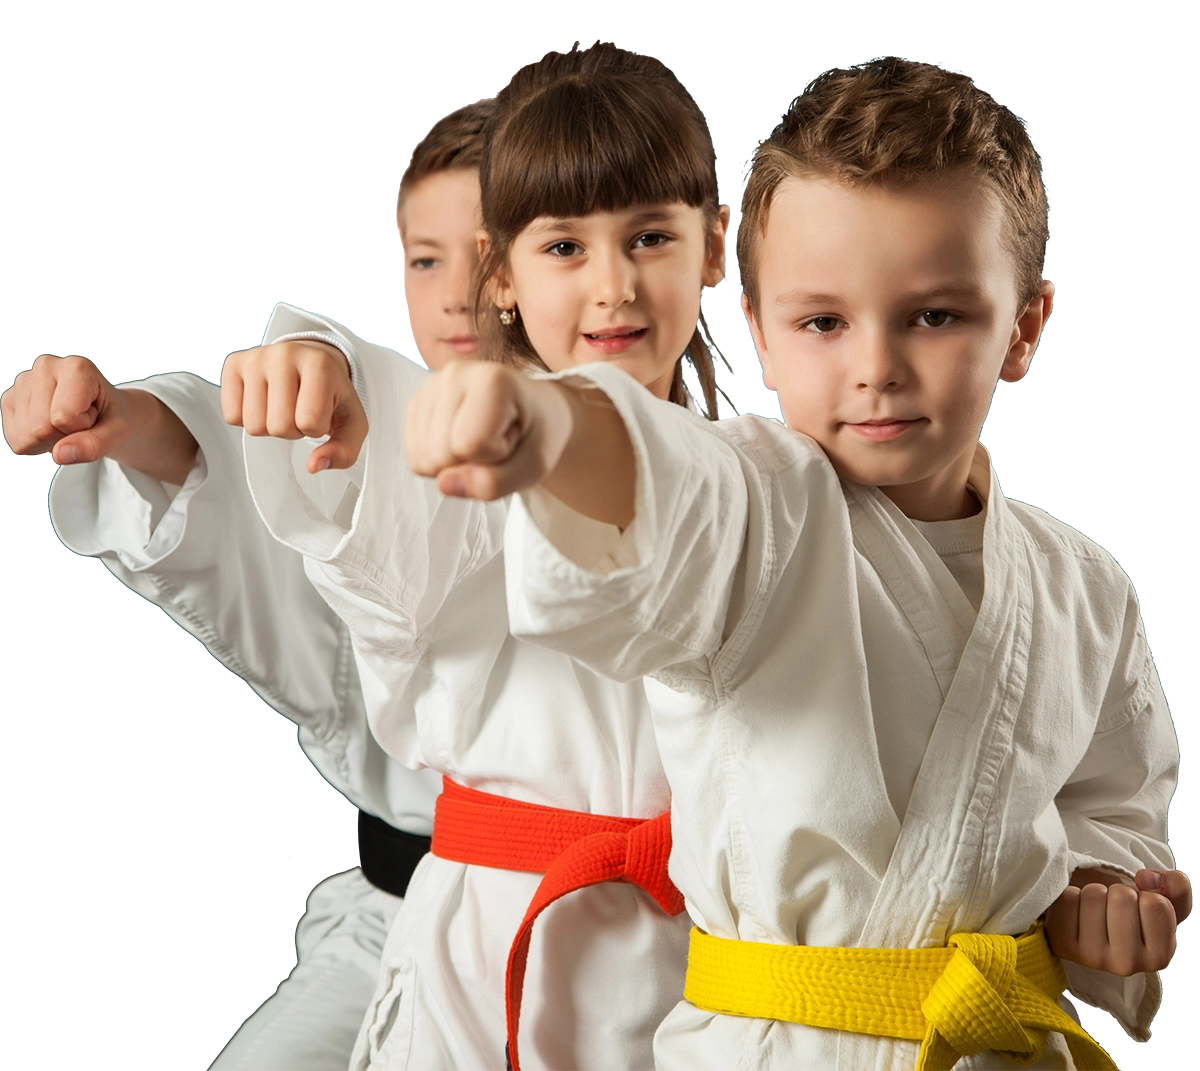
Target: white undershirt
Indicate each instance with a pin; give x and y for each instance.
(959, 544)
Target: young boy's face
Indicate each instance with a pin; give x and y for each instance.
(438, 224)
(887, 315)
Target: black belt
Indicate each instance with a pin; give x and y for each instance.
(388, 856)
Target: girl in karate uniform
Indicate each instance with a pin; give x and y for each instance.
(159, 494)
(602, 227)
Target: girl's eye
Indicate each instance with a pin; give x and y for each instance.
(425, 263)
(822, 325)
(564, 249)
(935, 318)
(650, 240)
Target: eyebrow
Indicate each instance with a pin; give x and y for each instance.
(419, 240)
(799, 296)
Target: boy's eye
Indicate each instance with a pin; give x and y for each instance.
(935, 318)
(564, 249)
(822, 325)
(425, 263)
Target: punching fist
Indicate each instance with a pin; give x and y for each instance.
(294, 390)
(484, 430)
(1100, 922)
(64, 405)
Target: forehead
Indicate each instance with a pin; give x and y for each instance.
(825, 236)
(441, 205)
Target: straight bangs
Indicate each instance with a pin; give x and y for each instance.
(576, 148)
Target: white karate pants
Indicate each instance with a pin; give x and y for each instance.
(311, 1021)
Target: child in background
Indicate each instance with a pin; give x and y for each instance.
(154, 484)
(602, 228)
(901, 716)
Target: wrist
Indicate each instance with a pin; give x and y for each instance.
(159, 443)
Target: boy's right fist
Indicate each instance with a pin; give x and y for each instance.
(64, 405)
(293, 390)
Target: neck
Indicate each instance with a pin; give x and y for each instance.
(944, 496)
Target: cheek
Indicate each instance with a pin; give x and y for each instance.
(422, 309)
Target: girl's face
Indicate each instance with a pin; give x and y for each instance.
(438, 223)
(621, 287)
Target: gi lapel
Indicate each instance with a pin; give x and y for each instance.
(939, 879)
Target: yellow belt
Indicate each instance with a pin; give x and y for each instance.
(984, 991)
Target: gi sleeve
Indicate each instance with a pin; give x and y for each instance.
(202, 555)
(1114, 807)
(633, 603)
(382, 546)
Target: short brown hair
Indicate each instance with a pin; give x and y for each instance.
(893, 120)
(455, 141)
(590, 131)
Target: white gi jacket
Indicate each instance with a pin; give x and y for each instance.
(419, 579)
(778, 614)
(205, 558)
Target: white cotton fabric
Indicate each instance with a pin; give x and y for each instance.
(959, 543)
(419, 580)
(201, 553)
(310, 1022)
(775, 610)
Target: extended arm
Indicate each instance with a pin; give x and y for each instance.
(486, 431)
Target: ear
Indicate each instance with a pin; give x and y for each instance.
(760, 344)
(1026, 333)
(497, 287)
(714, 264)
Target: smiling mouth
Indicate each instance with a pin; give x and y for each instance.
(616, 332)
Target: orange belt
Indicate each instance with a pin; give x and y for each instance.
(572, 849)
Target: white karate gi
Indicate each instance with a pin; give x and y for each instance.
(783, 619)
(420, 581)
(206, 559)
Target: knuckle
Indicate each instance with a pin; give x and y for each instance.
(281, 427)
(1122, 896)
(310, 425)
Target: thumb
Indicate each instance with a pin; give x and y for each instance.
(347, 432)
(107, 434)
(331, 455)
(1173, 884)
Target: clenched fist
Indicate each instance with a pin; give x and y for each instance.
(1100, 922)
(64, 405)
(484, 431)
(293, 390)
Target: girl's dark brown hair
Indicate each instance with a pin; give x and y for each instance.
(589, 131)
(894, 120)
(454, 141)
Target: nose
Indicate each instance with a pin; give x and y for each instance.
(878, 362)
(456, 286)
(612, 279)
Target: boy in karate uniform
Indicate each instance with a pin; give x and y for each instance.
(896, 710)
(153, 483)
